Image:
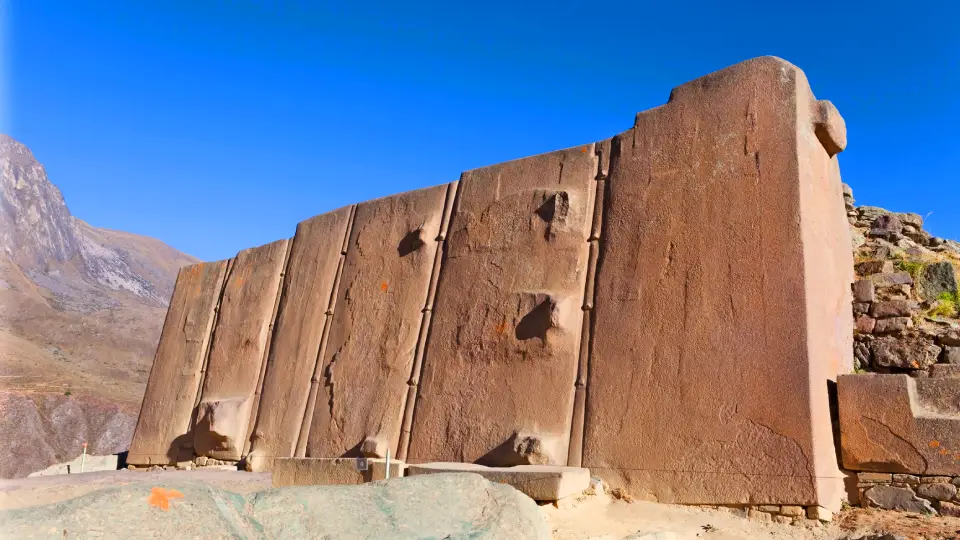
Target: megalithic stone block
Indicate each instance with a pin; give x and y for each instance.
(237, 353)
(501, 356)
(895, 423)
(307, 286)
(370, 350)
(722, 296)
(161, 436)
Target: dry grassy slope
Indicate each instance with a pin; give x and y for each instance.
(81, 310)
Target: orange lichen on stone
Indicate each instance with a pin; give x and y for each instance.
(160, 497)
(934, 444)
(383, 286)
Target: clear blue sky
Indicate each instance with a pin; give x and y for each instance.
(220, 127)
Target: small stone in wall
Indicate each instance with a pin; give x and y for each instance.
(761, 516)
(874, 477)
(951, 355)
(868, 268)
(861, 308)
(864, 291)
(938, 492)
(949, 509)
(891, 279)
(792, 511)
(906, 478)
(889, 326)
(892, 308)
(865, 324)
(935, 479)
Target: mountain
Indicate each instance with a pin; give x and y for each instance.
(81, 309)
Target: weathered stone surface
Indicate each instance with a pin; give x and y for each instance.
(368, 360)
(680, 408)
(868, 268)
(895, 498)
(900, 424)
(951, 355)
(916, 220)
(912, 353)
(539, 482)
(874, 477)
(886, 280)
(864, 291)
(307, 286)
(860, 308)
(160, 436)
(869, 213)
(434, 506)
(886, 226)
(936, 279)
(504, 341)
(949, 509)
(237, 354)
(865, 324)
(793, 511)
(330, 471)
(896, 324)
(937, 492)
(945, 370)
(892, 308)
(936, 480)
(905, 478)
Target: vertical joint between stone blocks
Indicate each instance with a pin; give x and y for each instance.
(577, 417)
(305, 424)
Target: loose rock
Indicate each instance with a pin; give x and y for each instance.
(895, 498)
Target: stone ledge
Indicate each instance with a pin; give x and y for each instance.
(328, 471)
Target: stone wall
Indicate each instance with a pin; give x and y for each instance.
(900, 413)
(668, 307)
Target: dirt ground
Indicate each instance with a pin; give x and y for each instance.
(583, 518)
(603, 518)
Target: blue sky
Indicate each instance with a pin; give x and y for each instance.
(217, 128)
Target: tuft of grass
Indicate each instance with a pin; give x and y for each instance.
(948, 305)
(67, 393)
(914, 268)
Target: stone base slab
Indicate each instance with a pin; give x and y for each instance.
(539, 482)
(327, 471)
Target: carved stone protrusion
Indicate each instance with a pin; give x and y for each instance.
(830, 127)
(374, 447)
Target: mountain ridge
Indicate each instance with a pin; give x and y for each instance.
(82, 311)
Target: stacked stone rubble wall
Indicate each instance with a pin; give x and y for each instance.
(642, 306)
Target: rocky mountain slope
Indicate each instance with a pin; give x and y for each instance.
(82, 310)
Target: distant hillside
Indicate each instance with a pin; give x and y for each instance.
(82, 310)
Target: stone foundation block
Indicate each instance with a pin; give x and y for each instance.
(539, 482)
(329, 471)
